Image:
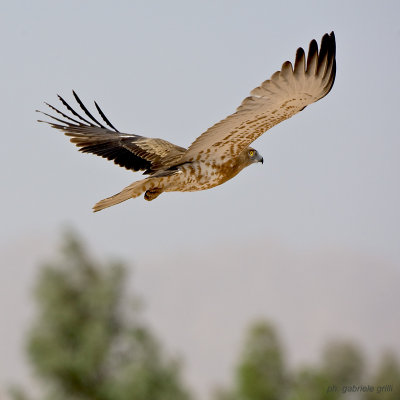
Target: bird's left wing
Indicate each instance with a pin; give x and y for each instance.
(132, 152)
(287, 92)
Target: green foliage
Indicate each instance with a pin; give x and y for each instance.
(311, 384)
(262, 374)
(386, 380)
(85, 345)
(343, 363)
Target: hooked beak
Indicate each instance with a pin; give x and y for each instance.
(260, 158)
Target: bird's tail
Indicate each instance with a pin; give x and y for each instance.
(135, 189)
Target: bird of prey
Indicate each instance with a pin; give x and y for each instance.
(223, 150)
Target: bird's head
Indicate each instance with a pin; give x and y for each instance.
(252, 156)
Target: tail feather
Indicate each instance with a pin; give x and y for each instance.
(135, 189)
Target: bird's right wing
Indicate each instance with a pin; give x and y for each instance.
(133, 152)
(286, 93)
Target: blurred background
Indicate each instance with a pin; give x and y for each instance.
(302, 251)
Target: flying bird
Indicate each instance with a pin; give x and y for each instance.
(218, 154)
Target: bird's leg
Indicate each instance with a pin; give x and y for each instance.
(151, 194)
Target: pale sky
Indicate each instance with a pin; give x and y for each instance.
(330, 179)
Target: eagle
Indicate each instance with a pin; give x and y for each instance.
(218, 154)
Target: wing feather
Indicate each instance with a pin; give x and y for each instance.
(105, 119)
(132, 152)
(286, 93)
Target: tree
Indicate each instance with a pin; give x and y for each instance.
(343, 363)
(85, 344)
(260, 374)
(386, 380)
(312, 384)
(263, 375)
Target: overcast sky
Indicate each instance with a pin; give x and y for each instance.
(330, 178)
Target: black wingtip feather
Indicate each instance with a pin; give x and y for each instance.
(106, 120)
(71, 110)
(299, 58)
(86, 111)
(328, 45)
(312, 53)
(65, 123)
(326, 53)
(61, 113)
(332, 78)
(323, 50)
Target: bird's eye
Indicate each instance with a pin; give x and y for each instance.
(251, 153)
